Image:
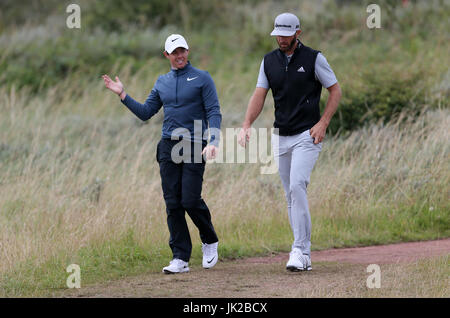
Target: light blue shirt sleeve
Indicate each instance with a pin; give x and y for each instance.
(262, 78)
(323, 73)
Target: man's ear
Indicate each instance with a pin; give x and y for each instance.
(297, 33)
(166, 54)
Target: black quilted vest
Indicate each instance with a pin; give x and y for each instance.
(295, 90)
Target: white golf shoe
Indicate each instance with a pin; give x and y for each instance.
(298, 262)
(210, 255)
(176, 266)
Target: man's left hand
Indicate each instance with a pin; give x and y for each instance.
(210, 151)
(318, 132)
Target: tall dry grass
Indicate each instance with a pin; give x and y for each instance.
(78, 175)
(77, 172)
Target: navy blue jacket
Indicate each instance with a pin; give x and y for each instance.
(188, 95)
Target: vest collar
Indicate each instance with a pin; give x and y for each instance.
(296, 50)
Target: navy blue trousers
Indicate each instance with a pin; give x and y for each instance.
(182, 186)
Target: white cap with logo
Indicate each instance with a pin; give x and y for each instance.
(286, 24)
(174, 41)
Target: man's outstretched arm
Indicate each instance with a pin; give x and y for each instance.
(143, 111)
(255, 105)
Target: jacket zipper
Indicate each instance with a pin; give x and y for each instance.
(176, 92)
(287, 63)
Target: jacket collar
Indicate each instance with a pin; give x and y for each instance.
(181, 71)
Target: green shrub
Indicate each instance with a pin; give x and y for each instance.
(117, 15)
(381, 95)
(381, 72)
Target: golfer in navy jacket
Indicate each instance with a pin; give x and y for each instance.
(190, 103)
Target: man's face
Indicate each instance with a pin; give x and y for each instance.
(286, 43)
(178, 58)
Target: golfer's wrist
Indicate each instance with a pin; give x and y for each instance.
(246, 124)
(122, 94)
(325, 121)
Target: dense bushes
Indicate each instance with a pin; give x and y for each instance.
(42, 64)
(117, 15)
(389, 69)
(379, 96)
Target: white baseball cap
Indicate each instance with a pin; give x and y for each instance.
(286, 24)
(174, 41)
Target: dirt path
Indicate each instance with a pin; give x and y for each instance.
(380, 254)
(336, 273)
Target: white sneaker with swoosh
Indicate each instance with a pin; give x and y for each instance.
(176, 266)
(298, 262)
(210, 255)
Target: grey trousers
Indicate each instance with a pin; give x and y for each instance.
(295, 157)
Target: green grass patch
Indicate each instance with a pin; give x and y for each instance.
(381, 225)
(116, 259)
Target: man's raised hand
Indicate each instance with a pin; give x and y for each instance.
(114, 86)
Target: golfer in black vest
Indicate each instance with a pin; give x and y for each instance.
(295, 73)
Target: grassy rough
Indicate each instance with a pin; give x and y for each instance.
(75, 189)
(79, 181)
